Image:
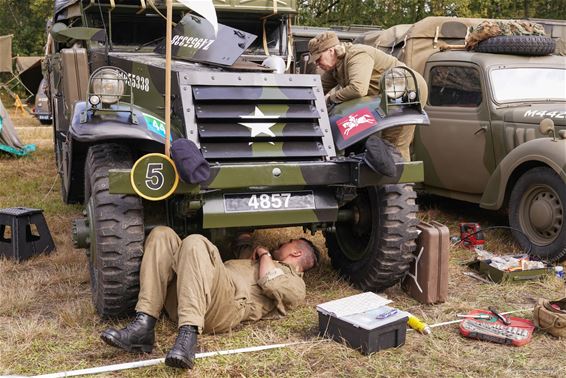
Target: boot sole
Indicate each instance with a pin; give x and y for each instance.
(134, 348)
(180, 362)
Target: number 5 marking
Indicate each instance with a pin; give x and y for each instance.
(154, 176)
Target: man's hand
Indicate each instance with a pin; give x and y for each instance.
(263, 257)
(259, 252)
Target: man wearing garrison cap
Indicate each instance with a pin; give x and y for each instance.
(353, 71)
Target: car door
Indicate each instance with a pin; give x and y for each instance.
(454, 147)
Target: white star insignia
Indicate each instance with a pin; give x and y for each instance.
(258, 128)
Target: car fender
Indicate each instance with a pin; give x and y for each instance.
(128, 123)
(541, 151)
(355, 120)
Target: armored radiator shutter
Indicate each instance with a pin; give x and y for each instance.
(258, 123)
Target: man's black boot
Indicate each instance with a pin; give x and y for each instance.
(182, 355)
(136, 337)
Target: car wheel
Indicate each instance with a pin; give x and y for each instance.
(537, 208)
(116, 233)
(373, 249)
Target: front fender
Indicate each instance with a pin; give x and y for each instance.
(542, 150)
(115, 125)
(355, 120)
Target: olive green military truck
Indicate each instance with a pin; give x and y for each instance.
(277, 156)
(497, 133)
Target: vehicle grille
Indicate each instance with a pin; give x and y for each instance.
(258, 123)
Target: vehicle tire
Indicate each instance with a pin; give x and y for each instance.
(116, 233)
(529, 45)
(537, 207)
(375, 251)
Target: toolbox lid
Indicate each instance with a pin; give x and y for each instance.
(354, 304)
(377, 318)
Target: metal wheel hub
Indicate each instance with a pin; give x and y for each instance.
(354, 233)
(542, 214)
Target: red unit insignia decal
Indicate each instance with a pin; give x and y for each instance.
(355, 123)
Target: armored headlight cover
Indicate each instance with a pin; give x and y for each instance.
(108, 85)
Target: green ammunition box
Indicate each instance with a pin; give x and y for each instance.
(499, 276)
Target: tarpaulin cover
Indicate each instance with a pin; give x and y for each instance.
(6, 53)
(9, 141)
(29, 71)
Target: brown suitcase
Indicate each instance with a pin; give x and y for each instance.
(430, 268)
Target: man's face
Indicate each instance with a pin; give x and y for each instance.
(288, 249)
(327, 60)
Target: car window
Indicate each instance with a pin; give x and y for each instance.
(454, 86)
(545, 83)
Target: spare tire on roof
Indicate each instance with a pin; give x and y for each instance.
(529, 45)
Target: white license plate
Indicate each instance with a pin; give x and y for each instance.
(268, 201)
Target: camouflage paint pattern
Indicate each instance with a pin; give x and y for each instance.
(260, 131)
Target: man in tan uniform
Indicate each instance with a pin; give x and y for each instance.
(354, 71)
(188, 278)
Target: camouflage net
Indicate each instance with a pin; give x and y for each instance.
(488, 29)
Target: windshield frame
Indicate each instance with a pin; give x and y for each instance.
(520, 83)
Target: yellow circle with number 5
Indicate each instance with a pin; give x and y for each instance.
(154, 177)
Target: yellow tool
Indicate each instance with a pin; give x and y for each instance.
(418, 325)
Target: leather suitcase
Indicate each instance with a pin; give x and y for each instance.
(430, 268)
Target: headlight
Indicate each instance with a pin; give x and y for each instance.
(395, 83)
(107, 85)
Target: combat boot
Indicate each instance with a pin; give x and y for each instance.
(136, 337)
(182, 355)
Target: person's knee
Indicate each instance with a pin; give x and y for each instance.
(195, 242)
(198, 245)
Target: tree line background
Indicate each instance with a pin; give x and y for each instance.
(26, 19)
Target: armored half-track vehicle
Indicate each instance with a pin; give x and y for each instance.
(277, 157)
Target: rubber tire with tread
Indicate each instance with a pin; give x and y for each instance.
(529, 45)
(539, 177)
(118, 231)
(388, 243)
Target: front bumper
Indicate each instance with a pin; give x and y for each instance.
(317, 177)
(281, 175)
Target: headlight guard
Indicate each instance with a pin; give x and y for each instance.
(399, 88)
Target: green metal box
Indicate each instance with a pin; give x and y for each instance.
(499, 276)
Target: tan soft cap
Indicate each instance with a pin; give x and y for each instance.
(321, 43)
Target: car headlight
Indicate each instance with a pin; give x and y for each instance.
(395, 83)
(108, 85)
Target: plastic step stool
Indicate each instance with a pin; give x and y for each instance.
(19, 239)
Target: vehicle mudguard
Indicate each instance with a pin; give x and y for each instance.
(355, 120)
(129, 123)
(545, 151)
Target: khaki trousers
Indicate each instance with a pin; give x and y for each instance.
(188, 278)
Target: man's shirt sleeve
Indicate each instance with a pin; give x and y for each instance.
(360, 68)
(328, 82)
(284, 286)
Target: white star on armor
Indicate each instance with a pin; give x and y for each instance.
(257, 128)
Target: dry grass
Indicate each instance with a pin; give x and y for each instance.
(47, 322)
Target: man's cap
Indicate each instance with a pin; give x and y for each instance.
(321, 43)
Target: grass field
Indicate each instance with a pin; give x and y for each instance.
(48, 324)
